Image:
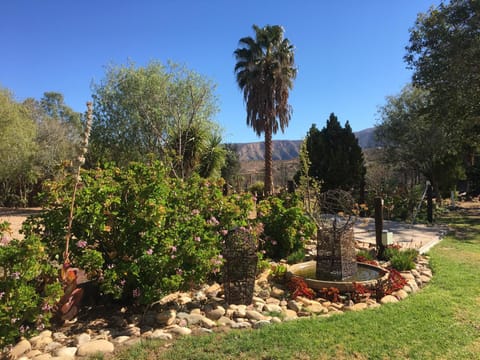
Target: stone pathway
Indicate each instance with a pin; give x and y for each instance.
(418, 236)
(196, 312)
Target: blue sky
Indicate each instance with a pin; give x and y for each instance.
(349, 53)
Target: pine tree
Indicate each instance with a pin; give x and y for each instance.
(336, 158)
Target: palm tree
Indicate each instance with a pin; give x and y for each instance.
(265, 72)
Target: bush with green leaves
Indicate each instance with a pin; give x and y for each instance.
(404, 260)
(28, 287)
(140, 232)
(286, 226)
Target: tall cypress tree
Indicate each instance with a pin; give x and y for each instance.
(336, 158)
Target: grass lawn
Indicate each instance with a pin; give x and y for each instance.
(442, 321)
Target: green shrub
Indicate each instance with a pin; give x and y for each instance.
(286, 226)
(257, 189)
(365, 255)
(404, 260)
(390, 251)
(296, 256)
(28, 287)
(140, 232)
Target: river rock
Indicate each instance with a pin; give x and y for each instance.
(66, 352)
(276, 320)
(95, 346)
(166, 317)
(21, 348)
(289, 314)
(50, 347)
(241, 311)
(400, 294)
(198, 319)
(168, 298)
(316, 308)
(413, 285)
(277, 292)
(213, 290)
(41, 340)
(255, 315)
(241, 325)
(179, 330)
(225, 321)
(388, 299)
(425, 279)
(272, 300)
(216, 313)
(407, 275)
(359, 306)
(272, 308)
(260, 324)
(82, 339)
(294, 305)
(59, 336)
(160, 334)
(45, 356)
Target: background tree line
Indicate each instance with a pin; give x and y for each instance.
(431, 130)
(140, 114)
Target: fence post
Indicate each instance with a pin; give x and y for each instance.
(378, 202)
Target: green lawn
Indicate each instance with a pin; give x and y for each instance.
(440, 322)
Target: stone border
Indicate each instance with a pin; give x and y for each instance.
(201, 311)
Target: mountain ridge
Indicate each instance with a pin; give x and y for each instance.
(290, 149)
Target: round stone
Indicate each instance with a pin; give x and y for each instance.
(94, 347)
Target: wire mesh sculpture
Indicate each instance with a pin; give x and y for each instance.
(334, 214)
(240, 267)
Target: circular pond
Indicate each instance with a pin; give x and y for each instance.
(367, 275)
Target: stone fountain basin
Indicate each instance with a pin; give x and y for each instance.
(368, 276)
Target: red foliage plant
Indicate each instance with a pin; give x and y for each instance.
(331, 294)
(298, 287)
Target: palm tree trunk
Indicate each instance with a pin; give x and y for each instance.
(268, 161)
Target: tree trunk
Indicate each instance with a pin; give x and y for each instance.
(268, 161)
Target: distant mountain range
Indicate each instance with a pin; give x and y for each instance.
(289, 149)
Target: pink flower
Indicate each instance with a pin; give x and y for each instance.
(173, 249)
(136, 293)
(179, 271)
(150, 251)
(224, 232)
(213, 221)
(197, 238)
(195, 212)
(122, 282)
(4, 241)
(15, 275)
(81, 243)
(274, 242)
(2, 294)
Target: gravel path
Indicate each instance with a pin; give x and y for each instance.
(16, 217)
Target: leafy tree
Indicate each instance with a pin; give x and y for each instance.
(161, 110)
(58, 132)
(265, 71)
(406, 123)
(336, 159)
(54, 106)
(231, 168)
(444, 52)
(17, 149)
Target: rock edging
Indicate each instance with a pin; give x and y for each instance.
(201, 311)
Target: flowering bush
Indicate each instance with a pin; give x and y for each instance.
(286, 226)
(140, 232)
(28, 287)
